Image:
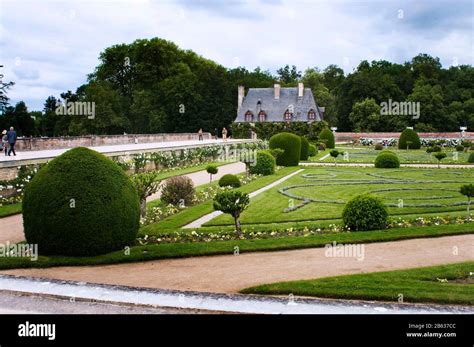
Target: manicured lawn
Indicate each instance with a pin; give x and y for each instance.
(8, 210)
(368, 154)
(180, 250)
(409, 192)
(416, 285)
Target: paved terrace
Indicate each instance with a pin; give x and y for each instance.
(42, 156)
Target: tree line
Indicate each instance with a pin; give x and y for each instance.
(153, 86)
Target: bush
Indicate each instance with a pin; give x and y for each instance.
(265, 164)
(211, 170)
(81, 204)
(178, 190)
(378, 147)
(327, 136)
(433, 149)
(291, 144)
(321, 146)
(312, 151)
(387, 159)
(460, 148)
(365, 213)
(276, 152)
(471, 158)
(229, 180)
(304, 152)
(409, 139)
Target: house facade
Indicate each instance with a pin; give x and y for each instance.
(278, 104)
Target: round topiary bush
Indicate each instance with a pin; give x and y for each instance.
(321, 146)
(81, 204)
(327, 136)
(365, 213)
(460, 148)
(229, 180)
(291, 144)
(387, 159)
(471, 158)
(304, 152)
(264, 165)
(178, 190)
(409, 139)
(312, 150)
(378, 147)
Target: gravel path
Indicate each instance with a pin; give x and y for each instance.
(231, 273)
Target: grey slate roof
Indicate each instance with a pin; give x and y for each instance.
(275, 108)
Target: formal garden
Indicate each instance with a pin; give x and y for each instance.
(85, 209)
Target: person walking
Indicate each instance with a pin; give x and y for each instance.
(200, 134)
(224, 134)
(11, 137)
(4, 141)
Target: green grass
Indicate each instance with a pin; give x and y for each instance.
(192, 213)
(367, 154)
(180, 250)
(416, 285)
(9, 210)
(420, 190)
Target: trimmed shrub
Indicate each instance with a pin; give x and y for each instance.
(312, 151)
(387, 159)
(276, 152)
(471, 158)
(409, 139)
(211, 170)
(229, 180)
(321, 146)
(433, 149)
(365, 212)
(81, 204)
(178, 190)
(378, 147)
(304, 152)
(460, 148)
(291, 144)
(265, 164)
(327, 136)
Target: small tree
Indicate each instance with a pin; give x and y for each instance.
(468, 190)
(211, 170)
(440, 156)
(146, 183)
(233, 203)
(335, 153)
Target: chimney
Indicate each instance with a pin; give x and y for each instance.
(276, 88)
(300, 90)
(240, 99)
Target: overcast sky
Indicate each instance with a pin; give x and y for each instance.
(48, 47)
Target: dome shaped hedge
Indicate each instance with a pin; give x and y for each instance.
(80, 204)
(409, 135)
(327, 137)
(229, 180)
(291, 144)
(304, 153)
(387, 159)
(264, 165)
(365, 212)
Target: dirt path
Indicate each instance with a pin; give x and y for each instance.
(230, 273)
(11, 228)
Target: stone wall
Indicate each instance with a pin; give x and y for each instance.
(342, 137)
(37, 143)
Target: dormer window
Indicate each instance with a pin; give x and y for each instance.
(311, 115)
(288, 116)
(248, 116)
(262, 116)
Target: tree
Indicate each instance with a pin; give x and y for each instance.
(211, 170)
(146, 184)
(440, 156)
(288, 75)
(335, 153)
(468, 191)
(233, 203)
(365, 116)
(3, 92)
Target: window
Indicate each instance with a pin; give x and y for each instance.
(288, 116)
(311, 115)
(248, 116)
(262, 116)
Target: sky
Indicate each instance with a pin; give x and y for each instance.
(48, 47)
